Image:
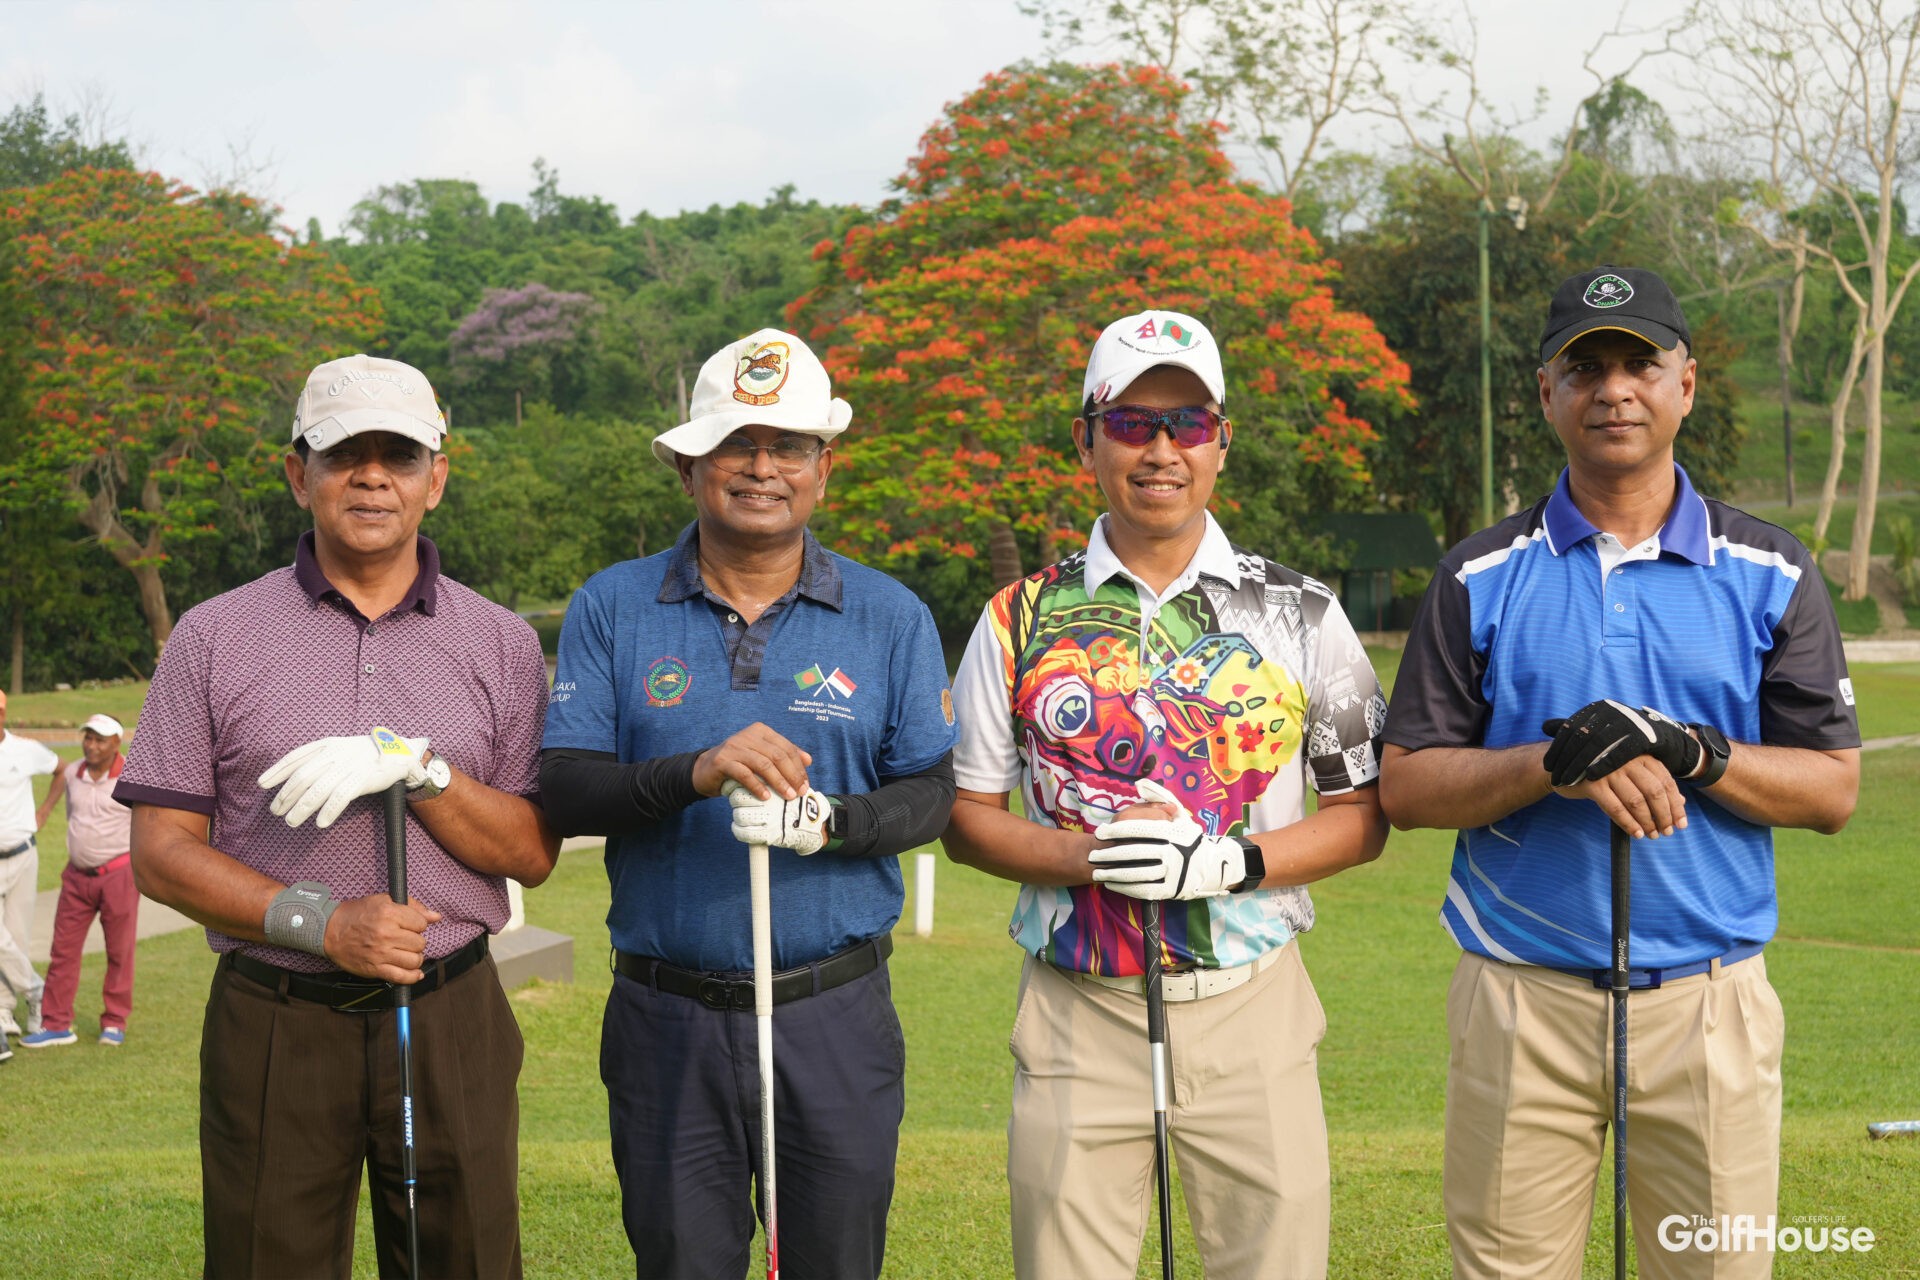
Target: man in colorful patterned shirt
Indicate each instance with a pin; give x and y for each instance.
(1162, 663)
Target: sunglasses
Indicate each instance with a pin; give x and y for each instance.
(1135, 425)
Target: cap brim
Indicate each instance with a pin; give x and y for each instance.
(700, 437)
(1662, 336)
(330, 431)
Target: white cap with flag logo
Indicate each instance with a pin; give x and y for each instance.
(360, 393)
(1134, 344)
(104, 725)
(769, 379)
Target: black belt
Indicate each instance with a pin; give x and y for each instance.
(349, 992)
(20, 848)
(732, 991)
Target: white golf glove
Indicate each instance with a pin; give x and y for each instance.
(799, 825)
(328, 774)
(1158, 858)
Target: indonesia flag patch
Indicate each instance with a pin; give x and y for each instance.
(839, 683)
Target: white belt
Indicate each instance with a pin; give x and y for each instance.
(1190, 984)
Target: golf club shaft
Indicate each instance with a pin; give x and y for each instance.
(763, 1024)
(1622, 968)
(396, 807)
(1157, 1049)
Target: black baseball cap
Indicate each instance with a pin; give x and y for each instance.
(1608, 297)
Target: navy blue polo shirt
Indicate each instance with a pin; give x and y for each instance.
(1729, 624)
(847, 666)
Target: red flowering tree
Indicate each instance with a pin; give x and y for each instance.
(164, 335)
(957, 321)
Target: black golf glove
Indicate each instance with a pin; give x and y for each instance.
(1601, 736)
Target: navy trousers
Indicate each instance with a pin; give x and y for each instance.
(683, 1095)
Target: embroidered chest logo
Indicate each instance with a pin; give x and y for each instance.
(667, 682)
(760, 374)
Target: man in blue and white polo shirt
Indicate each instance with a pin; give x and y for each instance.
(1622, 651)
(750, 654)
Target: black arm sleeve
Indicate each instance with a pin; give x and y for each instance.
(590, 793)
(904, 813)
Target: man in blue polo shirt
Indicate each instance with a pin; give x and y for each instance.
(748, 654)
(1622, 651)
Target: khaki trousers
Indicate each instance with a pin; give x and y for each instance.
(1530, 1095)
(1246, 1127)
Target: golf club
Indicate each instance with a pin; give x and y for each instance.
(396, 805)
(1622, 899)
(763, 1025)
(1157, 1049)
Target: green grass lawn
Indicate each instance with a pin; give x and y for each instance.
(101, 1136)
(67, 708)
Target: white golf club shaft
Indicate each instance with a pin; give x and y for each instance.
(763, 1020)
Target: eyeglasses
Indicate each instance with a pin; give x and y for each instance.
(791, 454)
(1135, 425)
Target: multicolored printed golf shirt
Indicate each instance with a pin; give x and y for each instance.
(1236, 688)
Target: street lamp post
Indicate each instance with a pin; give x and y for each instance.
(1516, 208)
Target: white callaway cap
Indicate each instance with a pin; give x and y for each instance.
(767, 379)
(360, 393)
(104, 725)
(1134, 344)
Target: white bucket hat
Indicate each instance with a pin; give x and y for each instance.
(1134, 344)
(767, 379)
(361, 393)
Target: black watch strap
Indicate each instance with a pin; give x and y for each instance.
(1717, 751)
(1256, 865)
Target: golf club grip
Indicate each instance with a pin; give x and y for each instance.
(763, 1020)
(395, 800)
(1621, 877)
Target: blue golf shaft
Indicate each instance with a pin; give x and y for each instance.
(396, 811)
(1622, 902)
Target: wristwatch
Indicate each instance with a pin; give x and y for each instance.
(439, 775)
(1716, 750)
(1256, 865)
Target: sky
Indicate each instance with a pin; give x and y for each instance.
(651, 105)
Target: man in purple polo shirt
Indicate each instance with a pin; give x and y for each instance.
(281, 683)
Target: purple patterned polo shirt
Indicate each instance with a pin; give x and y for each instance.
(250, 675)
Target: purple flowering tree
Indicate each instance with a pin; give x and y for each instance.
(516, 339)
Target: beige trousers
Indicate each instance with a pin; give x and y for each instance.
(1246, 1128)
(1530, 1096)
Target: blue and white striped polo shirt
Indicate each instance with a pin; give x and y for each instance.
(1725, 621)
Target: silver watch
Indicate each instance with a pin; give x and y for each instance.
(439, 775)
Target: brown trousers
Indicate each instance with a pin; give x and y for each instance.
(295, 1097)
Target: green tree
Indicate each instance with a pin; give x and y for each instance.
(958, 317)
(34, 148)
(165, 334)
(1415, 271)
(593, 490)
